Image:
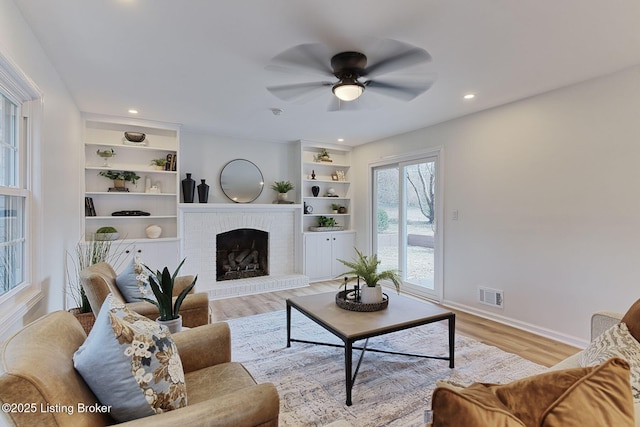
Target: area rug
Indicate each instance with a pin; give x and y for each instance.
(390, 390)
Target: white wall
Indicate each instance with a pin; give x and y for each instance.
(548, 194)
(56, 213)
(204, 155)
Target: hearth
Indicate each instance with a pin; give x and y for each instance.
(242, 253)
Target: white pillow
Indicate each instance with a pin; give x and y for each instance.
(131, 363)
(616, 341)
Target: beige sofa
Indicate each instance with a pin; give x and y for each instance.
(37, 369)
(600, 322)
(99, 280)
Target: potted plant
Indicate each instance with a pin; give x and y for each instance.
(119, 177)
(106, 155)
(86, 253)
(162, 286)
(366, 267)
(323, 156)
(282, 187)
(159, 163)
(335, 207)
(107, 233)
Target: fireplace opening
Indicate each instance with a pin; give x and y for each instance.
(242, 253)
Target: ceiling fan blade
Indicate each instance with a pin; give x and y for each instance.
(408, 56)
(297, 91)
(311, 58)
(402, 91)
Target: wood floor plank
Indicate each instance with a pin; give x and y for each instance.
(530, 346)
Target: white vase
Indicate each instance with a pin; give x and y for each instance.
(153, 231)
(174, 325)
(371, 295)
(282, 197)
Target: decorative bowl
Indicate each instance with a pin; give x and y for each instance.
(134, 136)
(107, 236)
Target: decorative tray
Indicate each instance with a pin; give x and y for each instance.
(343, 301)
(334, 228)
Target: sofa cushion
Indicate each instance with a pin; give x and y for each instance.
(133, 282)
(591, 396)
(131, 364)
(616, 341)
(632, 319)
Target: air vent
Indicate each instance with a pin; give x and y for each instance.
(492, 297)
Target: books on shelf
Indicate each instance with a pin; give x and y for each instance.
(89, 208)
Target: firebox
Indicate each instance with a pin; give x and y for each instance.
(242, 253)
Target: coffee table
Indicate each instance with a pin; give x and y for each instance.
(351, 326)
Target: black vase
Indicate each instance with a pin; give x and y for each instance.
(315, 190)
(188, 189)
(203, 192)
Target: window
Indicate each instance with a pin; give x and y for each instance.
(16, 94)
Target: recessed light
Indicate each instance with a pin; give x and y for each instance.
(340, 139)
(132, 111)
(469, 96)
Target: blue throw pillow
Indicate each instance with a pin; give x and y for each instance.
(133, 282)
(131, 364)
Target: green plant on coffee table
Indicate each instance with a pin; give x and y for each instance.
(324, 221)
(120, 175)
(282, 186)
(162, 283)
(367, 267)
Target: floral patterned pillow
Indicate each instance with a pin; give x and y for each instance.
(131, 364)
(133, 282)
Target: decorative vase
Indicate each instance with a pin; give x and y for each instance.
(203, 192)
(315, 190)
(118, 183)
(188, 189)
(174, 325)
(282, 197)
(153, 231)
(371, 295)
(342, 210)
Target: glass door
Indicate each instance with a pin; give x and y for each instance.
(405, 232)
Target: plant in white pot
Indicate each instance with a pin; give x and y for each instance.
(162, 286)
(282, 187)
(366, 267)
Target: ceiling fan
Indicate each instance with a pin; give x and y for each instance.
(350, 75)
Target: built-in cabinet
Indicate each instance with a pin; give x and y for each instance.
(322, 251)
(326, 193)
(155, 193)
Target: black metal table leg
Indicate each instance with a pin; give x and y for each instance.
(288, 324)
(348, 354)
(452, 339)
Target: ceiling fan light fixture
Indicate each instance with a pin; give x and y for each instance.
(348, 89)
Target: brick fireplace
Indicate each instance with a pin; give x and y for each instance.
(212, 231)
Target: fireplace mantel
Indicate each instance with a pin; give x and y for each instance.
(200, 223)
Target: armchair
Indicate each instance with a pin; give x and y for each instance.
(37, 369)
(99, 280)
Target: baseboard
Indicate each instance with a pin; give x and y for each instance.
(528, 327)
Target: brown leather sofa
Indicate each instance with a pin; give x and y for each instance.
(42, 388)
(99, 280)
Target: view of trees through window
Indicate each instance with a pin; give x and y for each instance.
(418, 227)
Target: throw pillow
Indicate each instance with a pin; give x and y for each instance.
(133, 282)
(593, 396)
(616, 341)
(131, 364)
(632, 319)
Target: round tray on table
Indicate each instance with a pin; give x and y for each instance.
(343, 301)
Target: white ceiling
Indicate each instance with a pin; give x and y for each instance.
(202, 63)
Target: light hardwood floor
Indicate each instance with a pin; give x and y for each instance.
(529, 346)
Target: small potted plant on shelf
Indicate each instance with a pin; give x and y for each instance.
(107, 233)
(366, 267)
(335, 208)
(323, 156)
(282, 187)
(159, 163)
(162, 283)
(119, 177)
(106, 155)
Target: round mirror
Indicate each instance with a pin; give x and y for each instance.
(241, 181)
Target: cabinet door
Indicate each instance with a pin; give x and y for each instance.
(342, 245)
(156, 255)
(317, 255)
